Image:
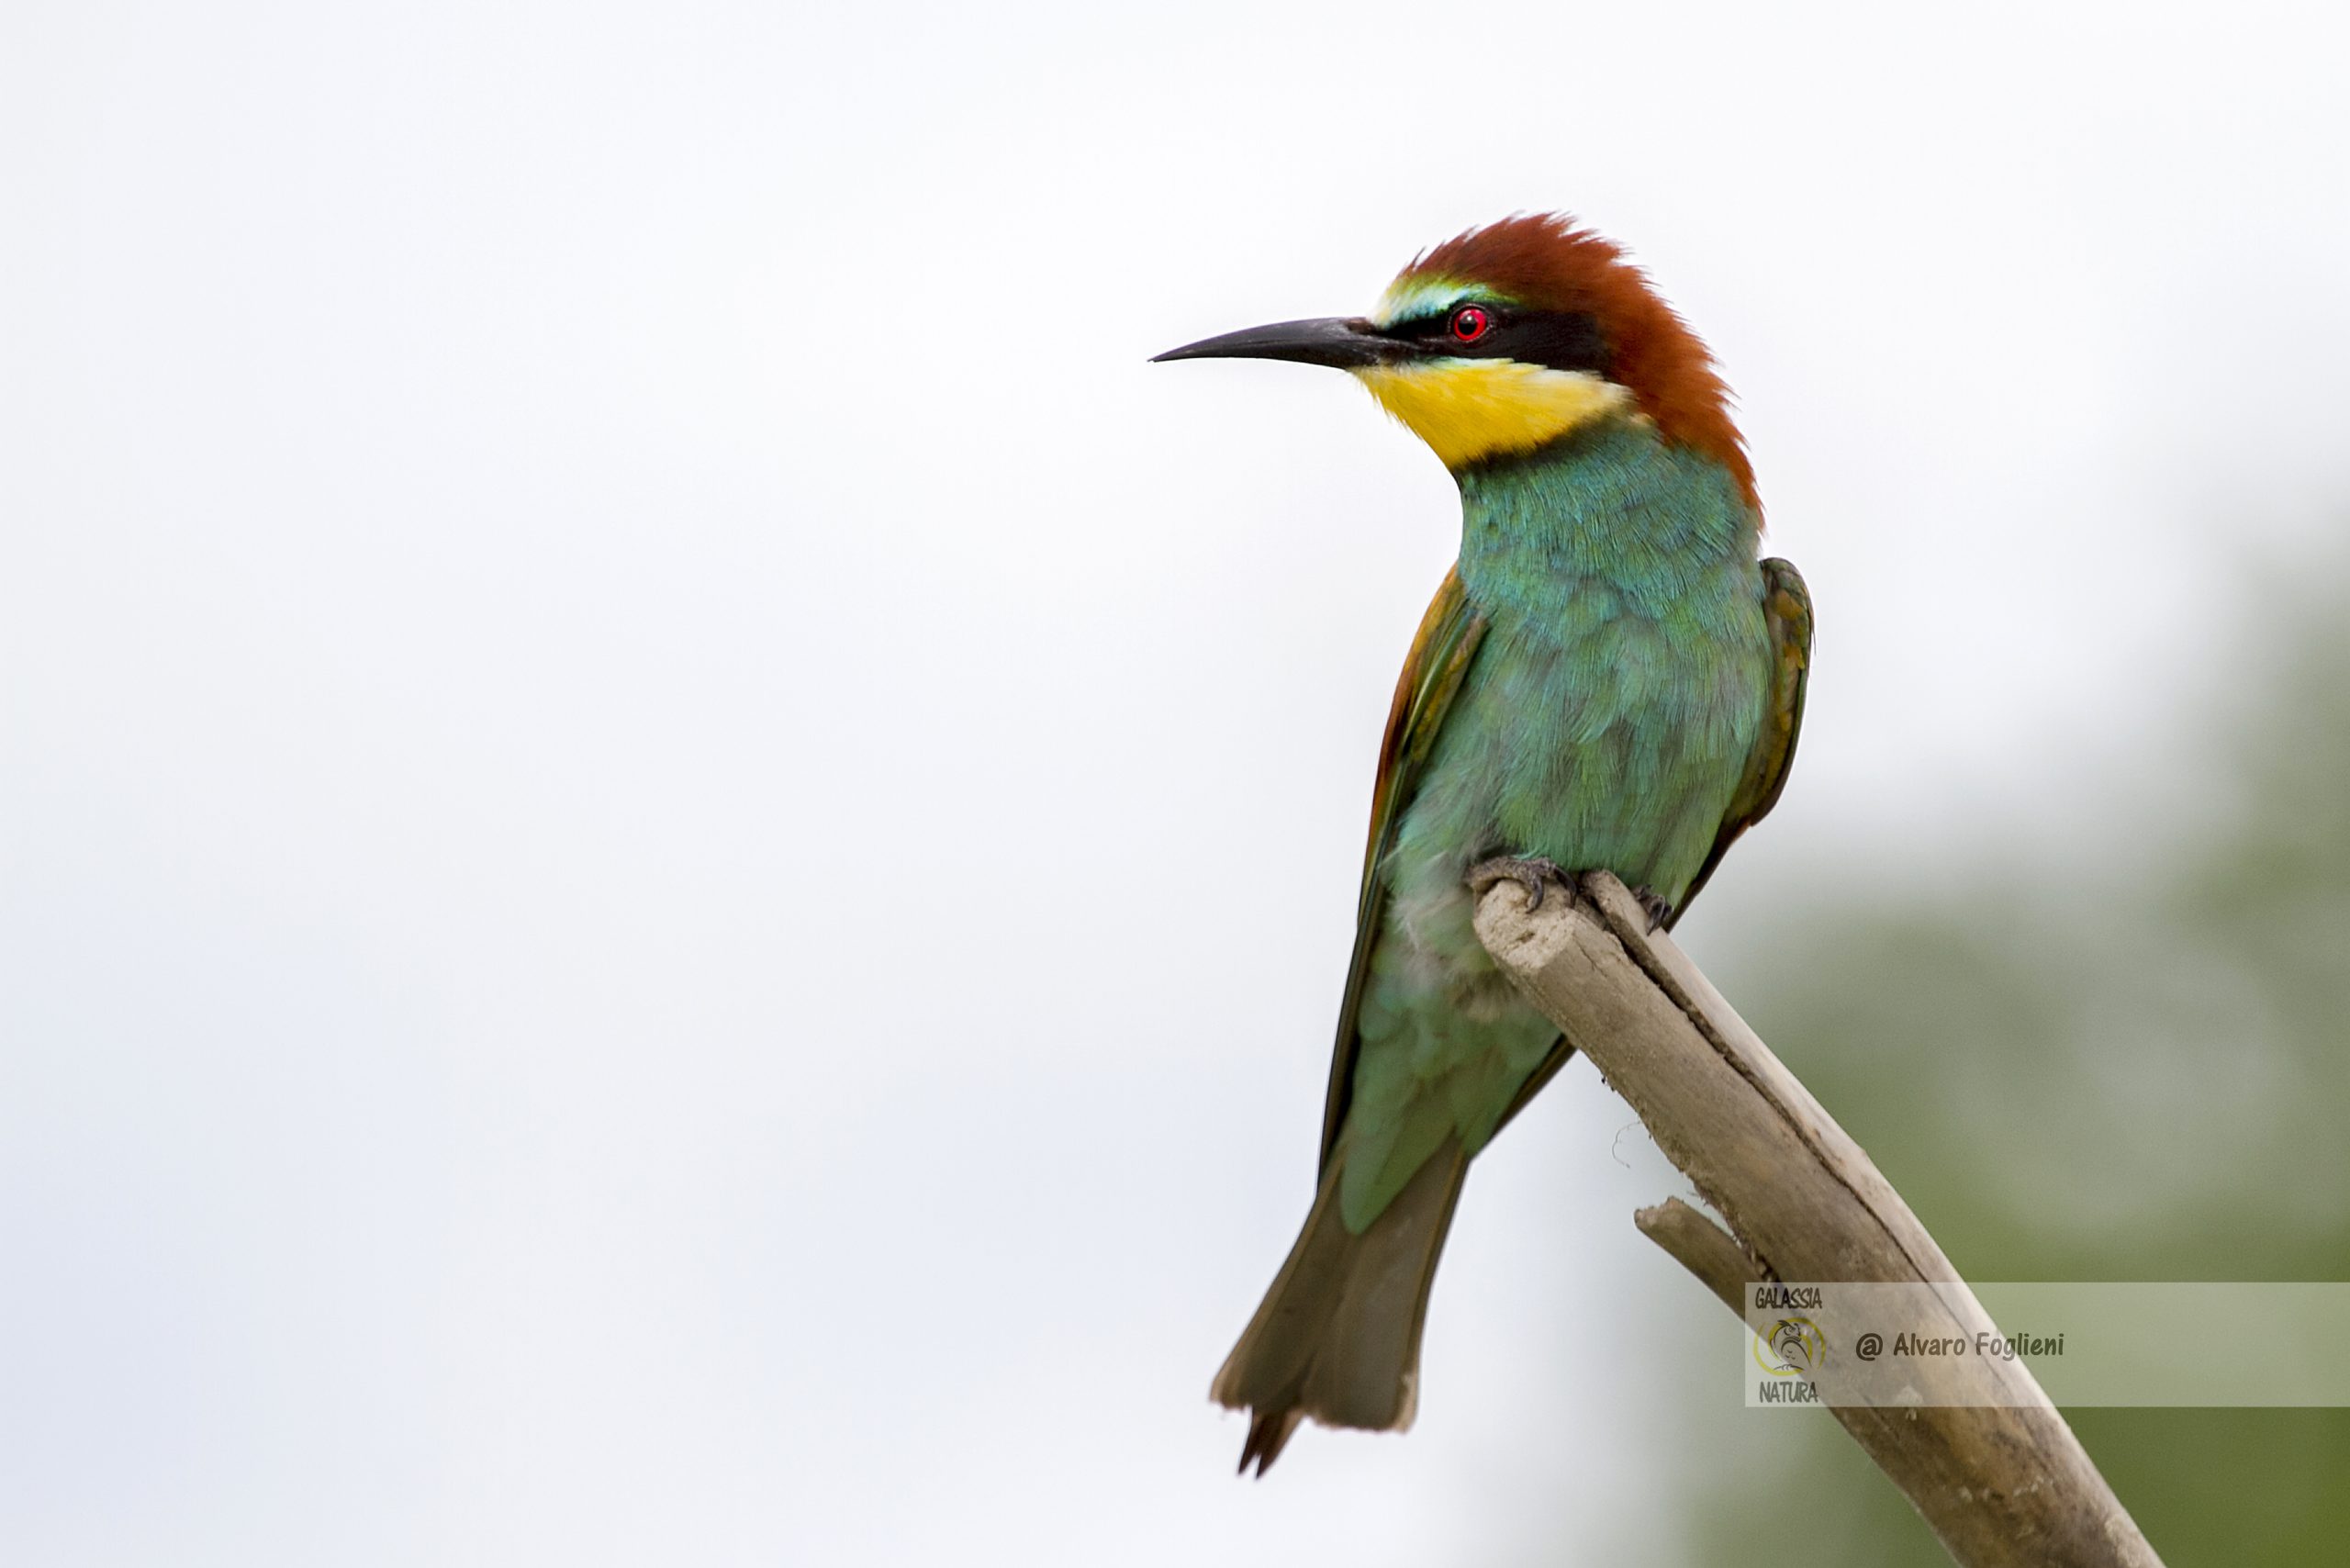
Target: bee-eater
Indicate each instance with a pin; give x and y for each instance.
(1608, 679)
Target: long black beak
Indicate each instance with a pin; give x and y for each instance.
(1348, 343)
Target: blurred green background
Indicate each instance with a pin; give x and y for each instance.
(2118, 1059)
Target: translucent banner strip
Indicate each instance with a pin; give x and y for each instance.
(2087, 1344)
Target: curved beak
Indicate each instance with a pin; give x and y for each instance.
(1344, 342)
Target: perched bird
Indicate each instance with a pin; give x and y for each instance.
(1608, 679)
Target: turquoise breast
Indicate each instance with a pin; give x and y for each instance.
(1605, 726)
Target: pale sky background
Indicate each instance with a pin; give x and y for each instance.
(675, 849)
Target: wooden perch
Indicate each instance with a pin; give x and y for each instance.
(1983, 1454)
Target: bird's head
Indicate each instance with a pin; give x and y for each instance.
(1508, 337)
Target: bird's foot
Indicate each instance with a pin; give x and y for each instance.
(1658, 910)
(1533, 874)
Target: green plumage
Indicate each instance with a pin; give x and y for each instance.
(1605, 723)
(1610, 680)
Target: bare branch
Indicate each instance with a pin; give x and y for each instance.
(1984, 1456)
(1702, 1247)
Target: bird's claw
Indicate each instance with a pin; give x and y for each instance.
(1530, 873)
(1658, 910)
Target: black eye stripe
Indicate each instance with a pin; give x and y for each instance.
(1561, 340)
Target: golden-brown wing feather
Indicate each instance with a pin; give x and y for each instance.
(1441, 651)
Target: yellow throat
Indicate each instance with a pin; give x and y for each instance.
(1469, 409)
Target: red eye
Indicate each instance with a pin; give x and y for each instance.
(1470, 323)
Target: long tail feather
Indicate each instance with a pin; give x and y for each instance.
(1337, 1337)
